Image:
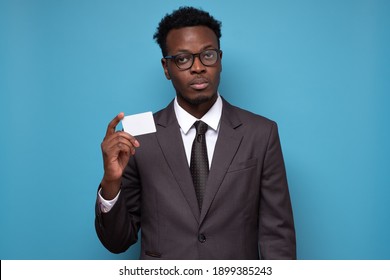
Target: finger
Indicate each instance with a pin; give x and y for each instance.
(124, 148)
(117, 143)
(125, 135)
(130, 137)
(112, 125)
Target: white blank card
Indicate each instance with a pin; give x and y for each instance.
(139, 124)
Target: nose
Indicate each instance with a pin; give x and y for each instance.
(197, 66)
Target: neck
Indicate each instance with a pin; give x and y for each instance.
(197, 109)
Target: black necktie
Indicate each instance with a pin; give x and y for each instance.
(199, 162)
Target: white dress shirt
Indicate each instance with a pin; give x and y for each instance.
(186, 122)
(188, 132)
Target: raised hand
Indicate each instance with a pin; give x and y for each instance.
(117, 148)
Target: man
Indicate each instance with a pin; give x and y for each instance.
(220, 193)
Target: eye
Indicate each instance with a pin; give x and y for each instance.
(209, 55)
(183, 58)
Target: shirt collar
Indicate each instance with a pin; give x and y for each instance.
(212, 117)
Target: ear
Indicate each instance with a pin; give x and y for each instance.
(164, 63)
(220, 60)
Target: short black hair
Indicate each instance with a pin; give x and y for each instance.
(185, 17)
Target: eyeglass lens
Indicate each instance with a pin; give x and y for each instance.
(207, 57)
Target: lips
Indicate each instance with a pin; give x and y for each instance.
(199, 83)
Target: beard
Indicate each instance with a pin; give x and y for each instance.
(198, 99)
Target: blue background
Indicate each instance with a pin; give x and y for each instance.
(320, 69)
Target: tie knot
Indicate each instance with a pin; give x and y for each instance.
(201, 127)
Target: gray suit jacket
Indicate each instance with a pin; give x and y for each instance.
(246, 212)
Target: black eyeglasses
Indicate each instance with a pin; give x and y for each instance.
(185, 61)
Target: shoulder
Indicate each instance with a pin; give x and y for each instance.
(166, 116)
(258, 131)
(245, 118)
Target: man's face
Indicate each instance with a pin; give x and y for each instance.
(198, 85)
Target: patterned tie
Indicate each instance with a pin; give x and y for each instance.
(199, 162)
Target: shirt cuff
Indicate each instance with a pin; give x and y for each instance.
(106, 205)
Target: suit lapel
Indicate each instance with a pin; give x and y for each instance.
(228, 142)
(171, 143)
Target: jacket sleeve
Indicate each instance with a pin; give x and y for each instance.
(118, 228)
(276, 225)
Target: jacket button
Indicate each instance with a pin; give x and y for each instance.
(202, 238)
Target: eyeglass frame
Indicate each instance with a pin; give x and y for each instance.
(218, 51)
